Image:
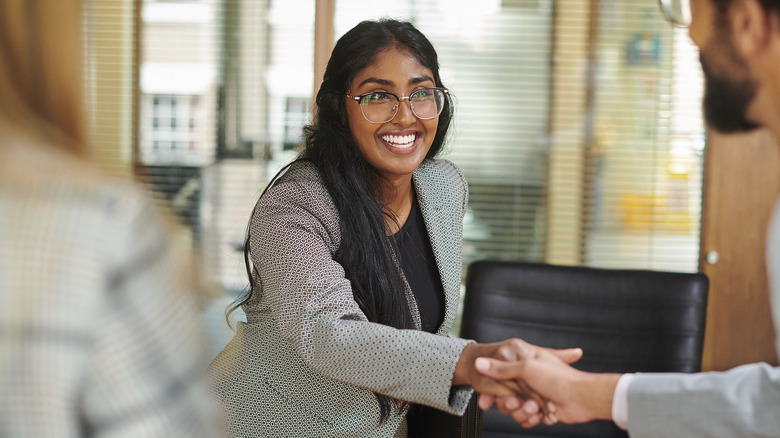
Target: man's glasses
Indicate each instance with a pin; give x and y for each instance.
(382, 106)
(678, 12)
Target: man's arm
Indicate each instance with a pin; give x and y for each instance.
(742, 402)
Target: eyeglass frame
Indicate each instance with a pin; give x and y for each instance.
(684, 22)
(397, 105)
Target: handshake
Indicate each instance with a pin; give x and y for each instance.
(535, 384)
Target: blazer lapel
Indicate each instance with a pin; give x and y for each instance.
(444, 224)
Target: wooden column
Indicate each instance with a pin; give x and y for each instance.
(742, 183)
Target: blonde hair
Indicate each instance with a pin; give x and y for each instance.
(41, 70)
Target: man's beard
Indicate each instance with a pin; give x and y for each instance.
(726, 99)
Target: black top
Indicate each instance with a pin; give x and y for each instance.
(420, 269)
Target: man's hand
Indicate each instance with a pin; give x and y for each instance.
(521, 397)
(575, 396)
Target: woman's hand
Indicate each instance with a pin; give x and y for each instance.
(467, 374)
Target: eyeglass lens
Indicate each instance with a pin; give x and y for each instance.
(381, 107)
(677, 11)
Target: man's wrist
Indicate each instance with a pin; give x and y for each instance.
(597, 394)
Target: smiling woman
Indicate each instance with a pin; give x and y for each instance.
(391, 136)
(354, 259)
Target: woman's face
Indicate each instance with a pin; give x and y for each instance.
(397, 147)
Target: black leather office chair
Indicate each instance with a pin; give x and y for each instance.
(624, 320)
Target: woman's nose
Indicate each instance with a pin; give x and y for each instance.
(405, 116)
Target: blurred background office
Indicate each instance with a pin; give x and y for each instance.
(578, 128)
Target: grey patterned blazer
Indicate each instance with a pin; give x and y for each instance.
(307, 362)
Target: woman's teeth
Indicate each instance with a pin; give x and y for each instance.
(400, 141)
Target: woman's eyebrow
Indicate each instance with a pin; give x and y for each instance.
(420, 79)
(376, 81)
(413, 81)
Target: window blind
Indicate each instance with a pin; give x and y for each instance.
(642, 144)
(111, 81)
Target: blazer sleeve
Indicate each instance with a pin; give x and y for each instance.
(742, 402)
(294, 233)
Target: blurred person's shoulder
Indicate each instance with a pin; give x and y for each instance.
(67, 207)
(33, 171)
(47, 180)
(87, 222)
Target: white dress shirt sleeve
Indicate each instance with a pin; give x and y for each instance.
(620, 401)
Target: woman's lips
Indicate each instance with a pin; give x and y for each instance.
(399, 141)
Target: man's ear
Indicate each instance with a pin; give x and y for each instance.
(751, 26)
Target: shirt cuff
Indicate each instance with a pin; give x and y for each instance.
(620, 401)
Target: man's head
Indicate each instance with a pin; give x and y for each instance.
(728, 87)
(734, 37)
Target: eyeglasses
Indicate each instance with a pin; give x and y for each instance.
(678, 12)
(382, 106)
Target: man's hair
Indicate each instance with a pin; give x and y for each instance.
(771, 6)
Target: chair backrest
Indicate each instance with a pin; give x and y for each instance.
(624, 320)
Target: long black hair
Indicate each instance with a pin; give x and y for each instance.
(365, 252)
